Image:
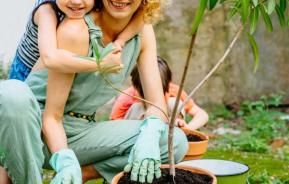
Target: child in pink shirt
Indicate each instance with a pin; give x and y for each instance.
(126, 107)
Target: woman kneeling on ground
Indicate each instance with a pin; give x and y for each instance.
(62, 105)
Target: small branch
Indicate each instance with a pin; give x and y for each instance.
(173, 117)
(136, 97)
(222, 59)
(99, 57)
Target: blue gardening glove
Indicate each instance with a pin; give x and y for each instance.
(65, 163)
(144, 160)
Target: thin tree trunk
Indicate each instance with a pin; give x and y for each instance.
(221, 60)
(173, 117)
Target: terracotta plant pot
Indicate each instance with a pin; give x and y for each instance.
(196, 148)
(188, 168)
(226, 171)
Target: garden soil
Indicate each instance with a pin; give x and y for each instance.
(182, 177)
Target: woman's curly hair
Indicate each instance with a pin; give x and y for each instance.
(151, 9)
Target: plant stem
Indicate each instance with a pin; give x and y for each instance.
(98, 57)
(221, 60)
(173, 117)
(136, 97)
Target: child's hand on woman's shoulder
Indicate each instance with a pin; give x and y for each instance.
(111, 63)
(118, 44)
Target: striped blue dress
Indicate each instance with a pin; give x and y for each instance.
(27, 52)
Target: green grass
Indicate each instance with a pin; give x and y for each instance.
(48, 175)
(257, 162)
(259, 126)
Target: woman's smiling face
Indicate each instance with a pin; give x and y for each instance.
(119, 9)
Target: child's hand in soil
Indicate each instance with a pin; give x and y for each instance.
(181, 123)
(144, 159)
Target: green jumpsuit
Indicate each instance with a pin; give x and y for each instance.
(105, 145)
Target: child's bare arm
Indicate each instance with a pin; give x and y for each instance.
(58, 88)
(200, 117)
(59, 59)
(134, 27)
(59, 84)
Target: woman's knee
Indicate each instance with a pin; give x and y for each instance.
(16, 99)
(180, 144)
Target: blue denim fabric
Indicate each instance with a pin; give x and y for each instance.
(18, 69)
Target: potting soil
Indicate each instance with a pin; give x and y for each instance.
(194, 138)
(182, 177)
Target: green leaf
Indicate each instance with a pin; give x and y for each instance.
(245, 10)
(235, 8)
(266, 18)
(106, 50)
(283, 5)
(271, 6)
(96, 50)
(265, 8)
(255, 2)
(281, 16)
(254, 16)
(233, 12)
(212, 4)
(199, 15)
(255, 50)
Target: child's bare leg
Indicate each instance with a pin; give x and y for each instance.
(89, 173)
(4, 179)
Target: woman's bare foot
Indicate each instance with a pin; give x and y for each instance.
(89, 173)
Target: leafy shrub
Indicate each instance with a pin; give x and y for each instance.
(3, 73)
(251, 144)
(1, 70)
(259, 125)
(266, 125)
(220, 111)
(263, 104)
